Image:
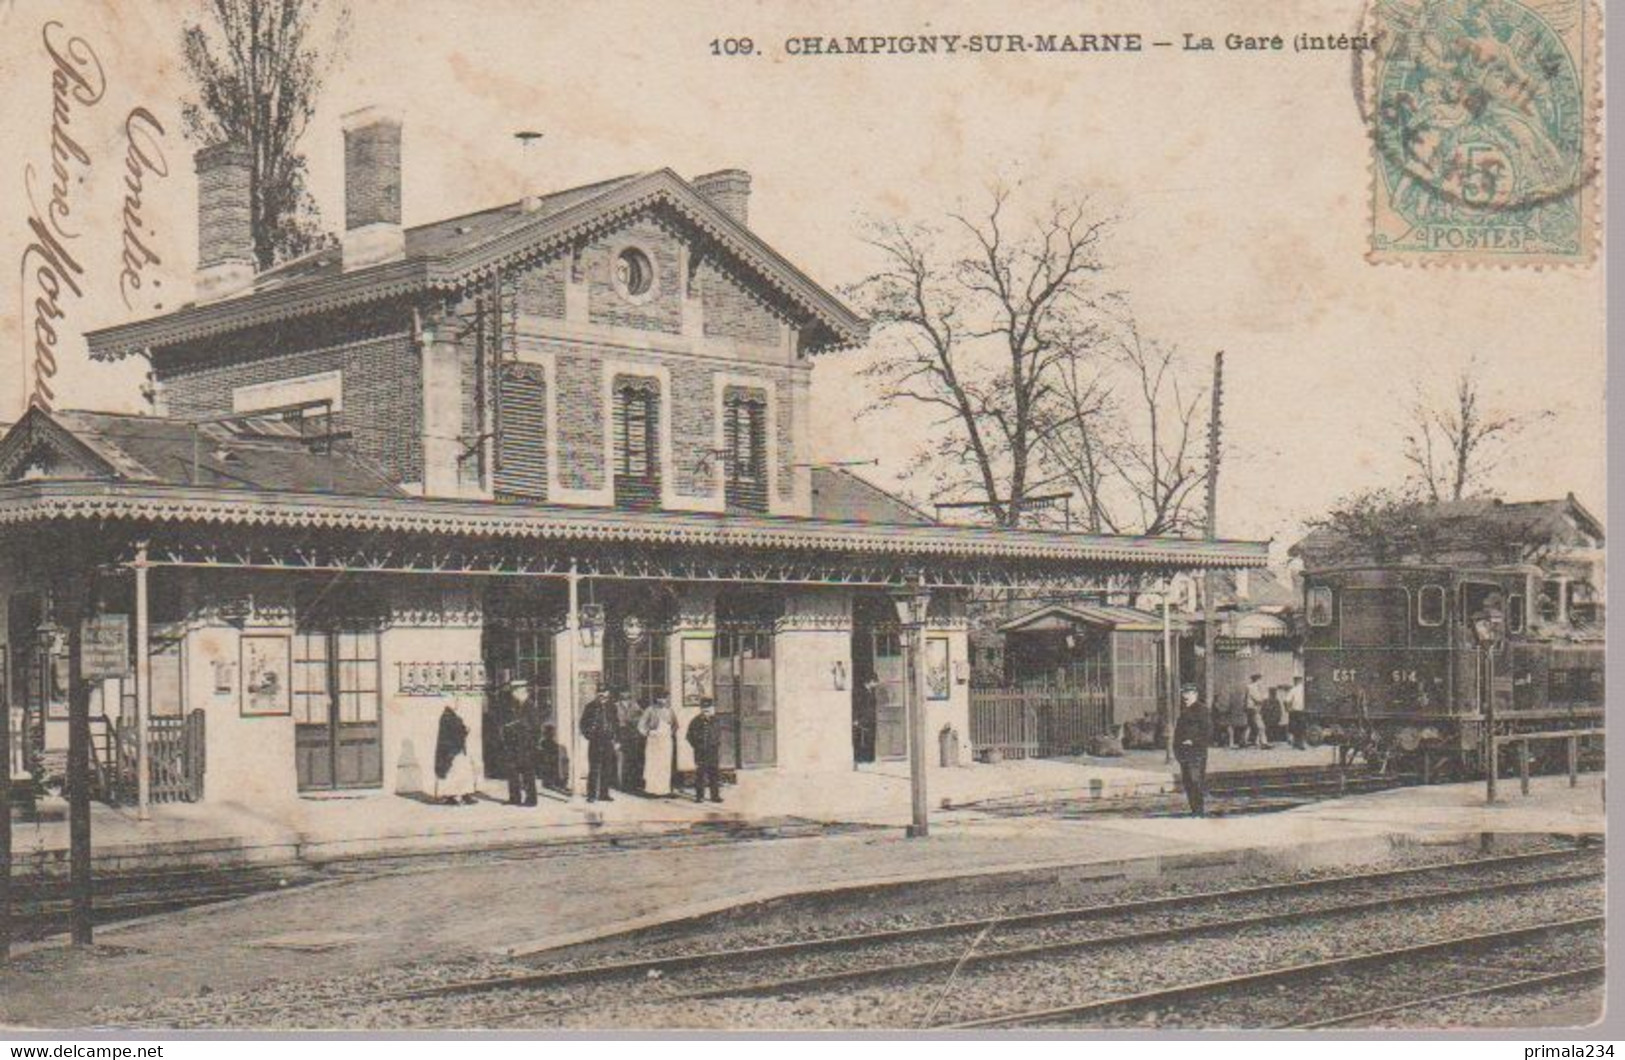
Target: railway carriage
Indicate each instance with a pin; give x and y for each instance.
(1408, 664)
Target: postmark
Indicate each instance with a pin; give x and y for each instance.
(1483, 133)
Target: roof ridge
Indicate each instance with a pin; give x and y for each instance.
(519, 202)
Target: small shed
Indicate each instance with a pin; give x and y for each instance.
(1108, 647)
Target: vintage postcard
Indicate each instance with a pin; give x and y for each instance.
(771, 517)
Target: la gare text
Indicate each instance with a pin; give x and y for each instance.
(931, 44)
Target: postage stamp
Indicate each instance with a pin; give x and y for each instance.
(1483, 131)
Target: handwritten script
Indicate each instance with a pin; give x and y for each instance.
(143, 155)
(49, 272)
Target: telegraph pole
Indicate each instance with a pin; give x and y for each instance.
(1212, 528)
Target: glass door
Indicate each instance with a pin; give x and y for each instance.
(338, 739)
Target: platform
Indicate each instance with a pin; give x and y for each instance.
(329, 828)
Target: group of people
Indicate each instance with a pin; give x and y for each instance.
(630, 747)
(1195, 731)
(1261, 716)
(634, 748)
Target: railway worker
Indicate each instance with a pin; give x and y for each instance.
(519, 741)
(705, 736)
(1191, 733)
(1257, 697)
(598, 726)
(1294, 713)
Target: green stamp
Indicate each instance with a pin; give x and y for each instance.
(1482, 119)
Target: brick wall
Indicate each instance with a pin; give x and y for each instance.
(383, 403)
(731, 311)
(541, 289)
(693, 423)
(784, 421)
(580, 431)
(662, 312)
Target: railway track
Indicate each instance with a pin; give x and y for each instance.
(40, 911)
(1300, 975)
(927, 953)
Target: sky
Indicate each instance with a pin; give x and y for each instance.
(1240, 183)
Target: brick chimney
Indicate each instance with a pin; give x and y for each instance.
(225, 228)
(372, 187)
(728, 190)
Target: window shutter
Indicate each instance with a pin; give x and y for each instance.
(522, 439)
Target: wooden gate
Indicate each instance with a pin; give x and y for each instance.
(1037, 722)
(174, 756)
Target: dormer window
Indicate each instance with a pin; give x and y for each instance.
(745, 449)
(637, 443)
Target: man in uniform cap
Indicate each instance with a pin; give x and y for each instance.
(598, 725)
(519, 743)
(1191, 733)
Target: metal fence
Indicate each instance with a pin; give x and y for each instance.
(1038, 722)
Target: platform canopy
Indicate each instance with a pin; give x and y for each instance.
(239, 494)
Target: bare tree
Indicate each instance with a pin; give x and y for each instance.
(976, 324)
(1129, 435)
(257, 70)
(1453, 445)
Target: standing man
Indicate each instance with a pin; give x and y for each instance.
(629, 731)
(1257, 697)
(1294, 712)
(1191, 734)
(519, 744)
(705, 736)
(598, 724)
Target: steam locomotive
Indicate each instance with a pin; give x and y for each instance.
(1412, 665)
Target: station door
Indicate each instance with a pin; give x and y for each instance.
(337, 735)
(745, 704)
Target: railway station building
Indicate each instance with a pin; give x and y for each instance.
(564, 439)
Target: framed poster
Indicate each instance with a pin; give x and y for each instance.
(267, 662)
(698, 679)
(937, 674)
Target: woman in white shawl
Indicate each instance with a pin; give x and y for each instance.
(659, 727)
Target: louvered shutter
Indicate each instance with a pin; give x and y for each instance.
(522, 440)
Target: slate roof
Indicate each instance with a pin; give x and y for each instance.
(841, 496)
(458, 253)
(153, 449)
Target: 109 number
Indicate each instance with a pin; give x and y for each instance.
(733, 46)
